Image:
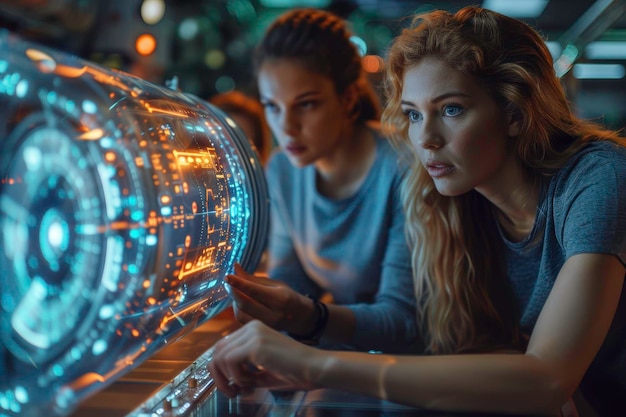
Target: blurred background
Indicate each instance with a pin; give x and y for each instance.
(207, 44)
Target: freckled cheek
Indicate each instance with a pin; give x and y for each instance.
(480, 140)
(413, 138)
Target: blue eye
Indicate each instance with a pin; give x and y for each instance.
(413, 116)
(306, 104)
(452, 110)
(271, 107)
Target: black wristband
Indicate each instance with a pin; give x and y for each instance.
(313, 338)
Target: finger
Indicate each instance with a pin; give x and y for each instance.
(226, 366)
(254, 369)
(240, 271)
(262, 289)
(238, 360)
(242, 316)
(258, 279)
(250, 303)
(220, 378)
(236, 357)
(248, 307)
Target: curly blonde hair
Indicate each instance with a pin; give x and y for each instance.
(465, 303)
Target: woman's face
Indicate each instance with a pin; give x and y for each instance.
(307, 117)
(458, 130)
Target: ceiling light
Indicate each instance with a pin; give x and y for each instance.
(599, 71)
(293, 3)
(152, 11)
(606, 50)
(518, 9)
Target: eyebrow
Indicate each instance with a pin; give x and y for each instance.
(440, 98)
(300, 96)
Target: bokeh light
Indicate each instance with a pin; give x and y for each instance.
(373, 63)
(145, 44)
(214, 59)
(152, 11)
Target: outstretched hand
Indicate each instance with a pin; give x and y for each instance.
(257, 356)
(270, 301)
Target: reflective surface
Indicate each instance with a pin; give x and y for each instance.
(123, 204)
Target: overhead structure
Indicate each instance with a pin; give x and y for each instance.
(599, 17)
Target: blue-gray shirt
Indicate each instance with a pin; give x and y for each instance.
(582, 210)
(354, 248)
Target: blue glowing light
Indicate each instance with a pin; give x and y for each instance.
(128, 203)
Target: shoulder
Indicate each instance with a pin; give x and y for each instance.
(387, 155)
(597, 156)
(599, 163)
(278, 164)
(589, 200)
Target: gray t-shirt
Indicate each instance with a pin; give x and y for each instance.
(582, 210)
(354, 248)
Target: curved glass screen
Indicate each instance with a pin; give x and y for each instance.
(123, 205)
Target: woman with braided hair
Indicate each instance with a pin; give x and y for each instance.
(516, 214)
(337, 227)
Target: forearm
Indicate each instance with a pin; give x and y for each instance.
(513, 383)
(371, 327)
(386, 326)
(337, 329)
(378, 326)
(341, 325)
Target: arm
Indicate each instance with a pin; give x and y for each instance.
(388, 323)
(387, 320)
(570, 330)
(277, 302)
(278, 306)
(568, 334)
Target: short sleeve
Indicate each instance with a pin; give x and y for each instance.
(590, 203)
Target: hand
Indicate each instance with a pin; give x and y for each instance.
(257, 356)
(270, 301)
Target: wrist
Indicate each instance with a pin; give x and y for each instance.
(316, 324)
(320, 364)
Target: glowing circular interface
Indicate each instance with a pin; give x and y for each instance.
(52, 196)
(122, 206)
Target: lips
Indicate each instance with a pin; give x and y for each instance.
(438, 169)
(294, 149)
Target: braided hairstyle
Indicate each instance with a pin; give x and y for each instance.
(320, 41)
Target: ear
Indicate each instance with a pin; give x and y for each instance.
(515, 124)
(350, 99)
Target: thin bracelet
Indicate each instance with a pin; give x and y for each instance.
(313, 338)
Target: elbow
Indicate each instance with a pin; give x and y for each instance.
(557, 392)
(538, 390)
(551, 384)
(546, 396)
(553, 391)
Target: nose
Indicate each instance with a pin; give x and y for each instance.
(427, 135)
(288, 122)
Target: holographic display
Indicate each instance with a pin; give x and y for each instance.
(123, 204)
